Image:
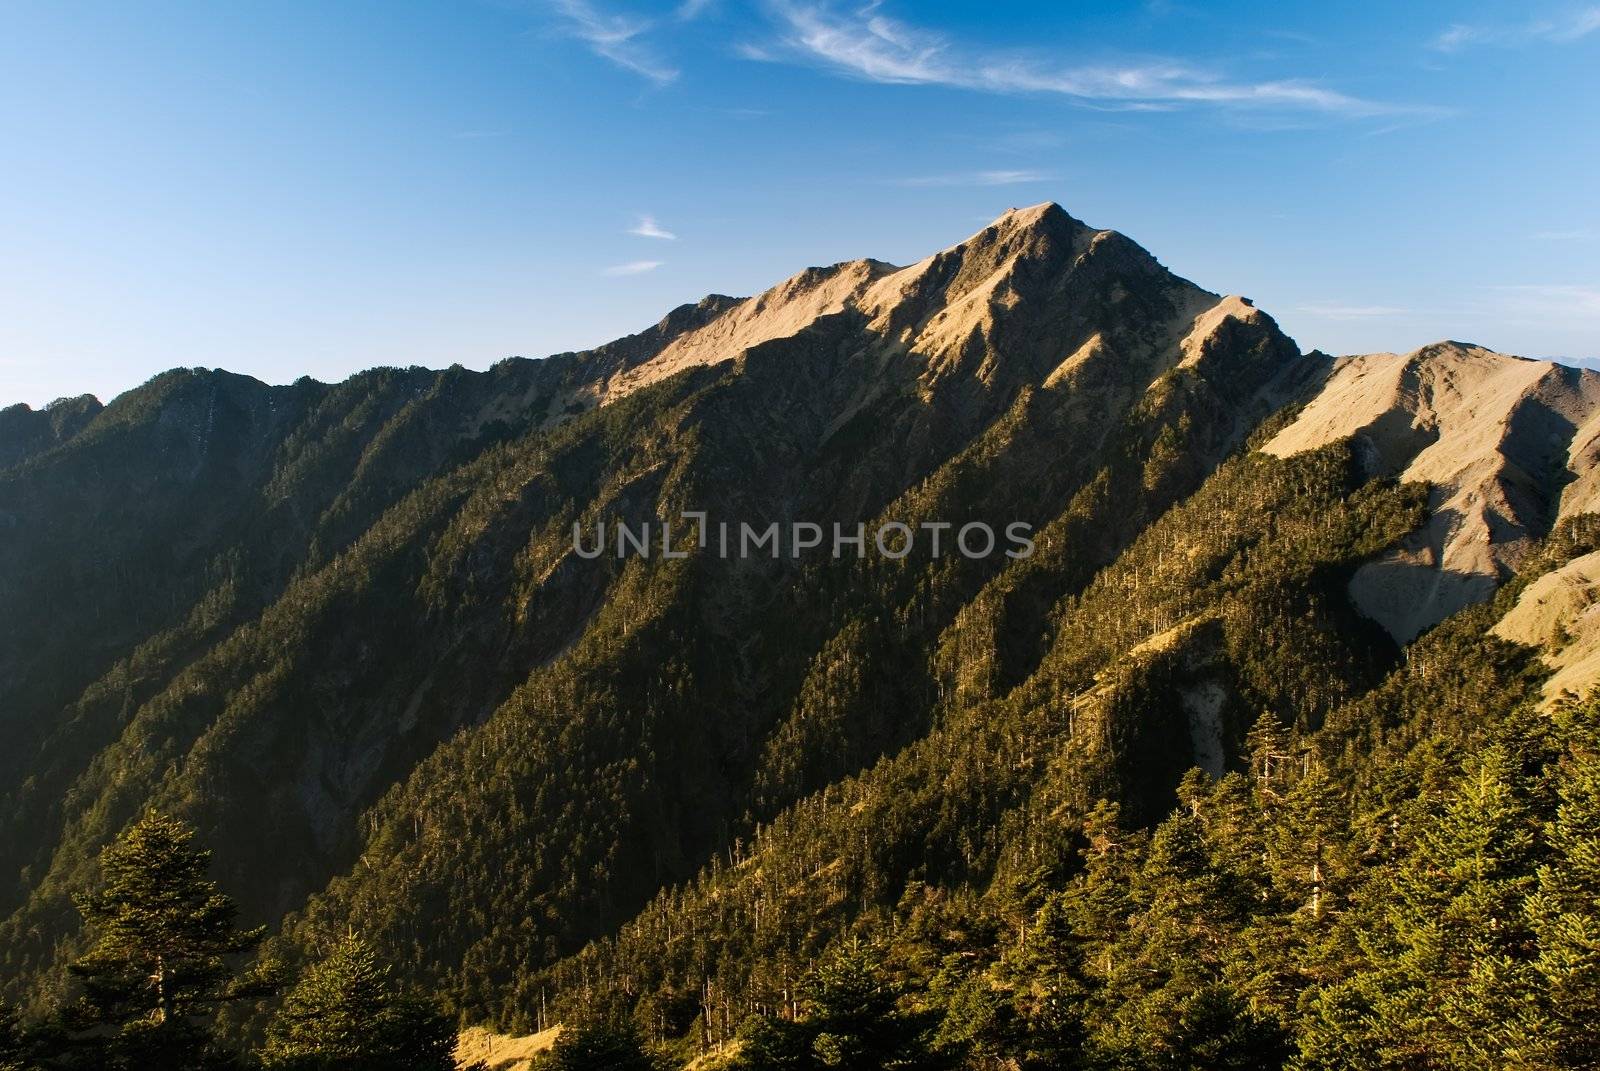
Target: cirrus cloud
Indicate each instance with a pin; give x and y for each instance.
(633, 267)
(647, 227)
(618, 38)
(1562, 28)
(1015, 177)
(866, 44)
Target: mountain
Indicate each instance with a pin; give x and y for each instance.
(348, 632)
(1507, 446)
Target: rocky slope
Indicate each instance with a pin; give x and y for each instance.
(1559, 613)
(979, 299)
(1506, 444)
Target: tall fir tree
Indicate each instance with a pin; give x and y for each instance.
(599, 1046)
(164, 954)
(1167, 1003)
(853, 1022)
(346, 1014)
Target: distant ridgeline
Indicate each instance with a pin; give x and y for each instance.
(1257, 758)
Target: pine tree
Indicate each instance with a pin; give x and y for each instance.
(1188, 904)
(164, 950)
(346, 1014)
(1309, 856)
(1167, 1004)
(853, 1022)
(1048, 979)
(774, 1045)
(1267, 746)
(1098, 902)
(854, 1009)
(1212, 1029)
(599, 1046)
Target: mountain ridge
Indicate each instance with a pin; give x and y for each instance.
(344, 630)
(1499, 438)
(382, 518)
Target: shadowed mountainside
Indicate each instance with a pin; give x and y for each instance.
(343, 630)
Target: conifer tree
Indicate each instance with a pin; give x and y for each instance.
(1212, 1029)
(855, 1011)
(1167, 1004)
(1188, 903)
(1267, 747)
(1098, 903)
(1050, 983)
(1309, 855)
(853, 1023)
(346, 1014)
(599, 1046)
(164, 950)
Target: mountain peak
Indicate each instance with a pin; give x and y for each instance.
(1047, 217)
(1034, 214)
(1449, 347)
(1017, 302)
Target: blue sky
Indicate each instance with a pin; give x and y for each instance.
(285, 188)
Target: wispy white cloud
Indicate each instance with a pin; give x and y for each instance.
(690, 10)
(633, 267)
(618, 38)
(1162, 9)
(1457, 36)
(1546, 301)
(1569, 25)
(647, 227)
(1332, 310)
(870, 45)
(751, 51)
(1576, 25)
(1297, 37)
(978, 178)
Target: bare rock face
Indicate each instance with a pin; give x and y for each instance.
(1560, 614)
(1508, 444)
